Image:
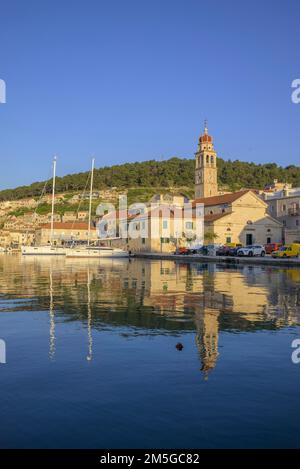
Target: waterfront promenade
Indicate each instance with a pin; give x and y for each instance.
(268, 260)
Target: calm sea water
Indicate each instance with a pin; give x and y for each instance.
(92, 359)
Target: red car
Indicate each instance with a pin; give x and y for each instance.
(182, 250)
(271, 247)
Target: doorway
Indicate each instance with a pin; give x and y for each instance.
(249, 239)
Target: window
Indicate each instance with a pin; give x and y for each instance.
(165, 224)
(207, 159)
(228, 239)
(284, 222)
(212, 159)
(164, 240)
(211, 212)
(269, 240)
(284, 208)
(297, 222)
(143, 240)
(189, 225)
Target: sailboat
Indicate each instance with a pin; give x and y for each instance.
(92, 250)
(49, 249)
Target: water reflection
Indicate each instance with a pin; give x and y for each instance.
(152, 297)
(51, 317)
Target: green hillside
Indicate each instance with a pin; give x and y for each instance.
(175, 172)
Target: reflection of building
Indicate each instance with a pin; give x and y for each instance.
(207, 338)
(154, 297)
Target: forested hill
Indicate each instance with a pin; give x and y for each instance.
(175, 172)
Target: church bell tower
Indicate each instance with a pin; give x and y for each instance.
(206, 184)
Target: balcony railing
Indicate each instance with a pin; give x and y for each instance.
(294, 211)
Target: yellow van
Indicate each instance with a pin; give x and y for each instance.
(233, 245)
(289, 250)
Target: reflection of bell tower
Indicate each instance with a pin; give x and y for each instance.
(206, 184)
(207, 339)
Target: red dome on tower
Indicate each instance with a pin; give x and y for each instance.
(205, 138)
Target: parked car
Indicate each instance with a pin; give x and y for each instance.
(223, 251)
(253, 250)
(229, 249)
(182, 250)
(289, 250)
(271, 247)
(234, 251)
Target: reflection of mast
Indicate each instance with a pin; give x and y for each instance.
(52, 319)
(89, 319)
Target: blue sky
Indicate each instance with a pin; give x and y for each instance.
(134, 80)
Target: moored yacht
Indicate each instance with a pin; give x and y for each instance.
(94, 251)
(49, 249)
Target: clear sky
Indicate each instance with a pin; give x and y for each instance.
(133, 80)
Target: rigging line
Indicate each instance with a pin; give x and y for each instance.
(38, 202)
(81, 199)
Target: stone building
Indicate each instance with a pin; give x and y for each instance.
(239, 217)
(17, 237)
(284, 205)
(69, 217)
(158, 229)
(63, 232)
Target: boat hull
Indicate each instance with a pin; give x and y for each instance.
(97, 253)
(43, 251)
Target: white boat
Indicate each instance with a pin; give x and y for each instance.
(93, 251)
(43, 250)
(51, 249)
(97, 252)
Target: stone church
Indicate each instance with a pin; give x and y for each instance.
(238, 217)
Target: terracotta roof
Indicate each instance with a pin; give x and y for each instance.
(68, 226)
(221, 199)
(215, 216)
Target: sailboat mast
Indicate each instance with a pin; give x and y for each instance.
(91, 198)
(53, 200)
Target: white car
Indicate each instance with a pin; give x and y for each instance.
(250, 251)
